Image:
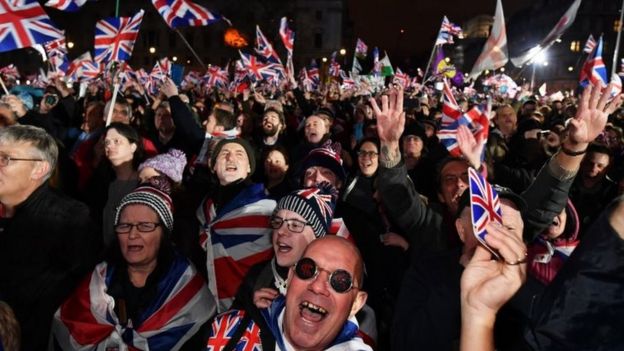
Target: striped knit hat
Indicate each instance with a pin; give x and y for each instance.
(316, 205)
(155, 199)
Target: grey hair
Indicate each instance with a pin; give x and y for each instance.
(44, 144)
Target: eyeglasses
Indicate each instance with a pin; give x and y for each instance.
(340, 280)
(6, 159)
(143, 227)
(294, 225)
(370, 154)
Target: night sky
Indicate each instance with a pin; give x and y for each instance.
(378, 22)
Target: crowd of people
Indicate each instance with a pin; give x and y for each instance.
(287, 219)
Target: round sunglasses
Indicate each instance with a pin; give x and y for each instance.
(340, 280)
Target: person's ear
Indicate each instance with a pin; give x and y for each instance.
(358, 303)
(40, 170)
(460, 229)
(134, 146)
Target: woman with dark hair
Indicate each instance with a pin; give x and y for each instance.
(116, 175)
(145, 295)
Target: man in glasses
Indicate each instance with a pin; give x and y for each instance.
(318, 312)
(47, 241)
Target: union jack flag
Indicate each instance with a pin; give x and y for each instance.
(360, 48)
(307, 83)
(334, 69)
(287, 35)
(617, 84)
(447, 31)
(180, 13)
(403, 79)
(216, 77)
(181, 305)
(313, 73)
(23, 23)
(66, 5)
(235, 238)
(56, 48)
(323, 201)
(452, 117)
(594, 70)
(161, 69)
(348, 83)
(484, 204)
(264, 47)
(257, 71)
(9, 71)
(115, 37)
(74, 71)
(223, 328)
(590, 44)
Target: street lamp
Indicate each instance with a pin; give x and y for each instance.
(343, 52)
(570, 68)
(152, 50)
(175, 58)
(70, 44)
(324, 59)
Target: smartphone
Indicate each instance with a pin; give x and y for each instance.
(51, 99)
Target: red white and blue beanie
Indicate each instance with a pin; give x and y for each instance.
(155, 199)
(315, 204)
(325, 157)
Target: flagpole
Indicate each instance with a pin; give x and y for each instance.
(6, 91)
(190, 48)
(117, 8)
(435, 45)
(617, 41)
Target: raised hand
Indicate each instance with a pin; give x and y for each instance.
(471, 147)
(168, 88)
(486, 285)
(591, 117)
(391, 117)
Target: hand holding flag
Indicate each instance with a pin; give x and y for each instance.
(484, 207)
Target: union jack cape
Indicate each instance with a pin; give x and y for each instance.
(181, 13)
(235, 238)
(115, 37)
(87, 319)
(23, 23)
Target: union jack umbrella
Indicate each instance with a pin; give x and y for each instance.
(115, 37)
(23, 23)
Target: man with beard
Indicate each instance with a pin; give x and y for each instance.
(272, 134)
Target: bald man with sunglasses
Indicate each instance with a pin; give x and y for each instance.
(318, 312)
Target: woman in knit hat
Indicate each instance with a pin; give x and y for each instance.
(166, 169)
(128, 300)
(299, 218)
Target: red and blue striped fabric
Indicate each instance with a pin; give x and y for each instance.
(484, 204)
(23, 23)
(87, 320)
(235, 238)
(115, 37)
(182, 13)
(66, 5)
(452, 117)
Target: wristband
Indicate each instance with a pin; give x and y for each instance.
(572, 153)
